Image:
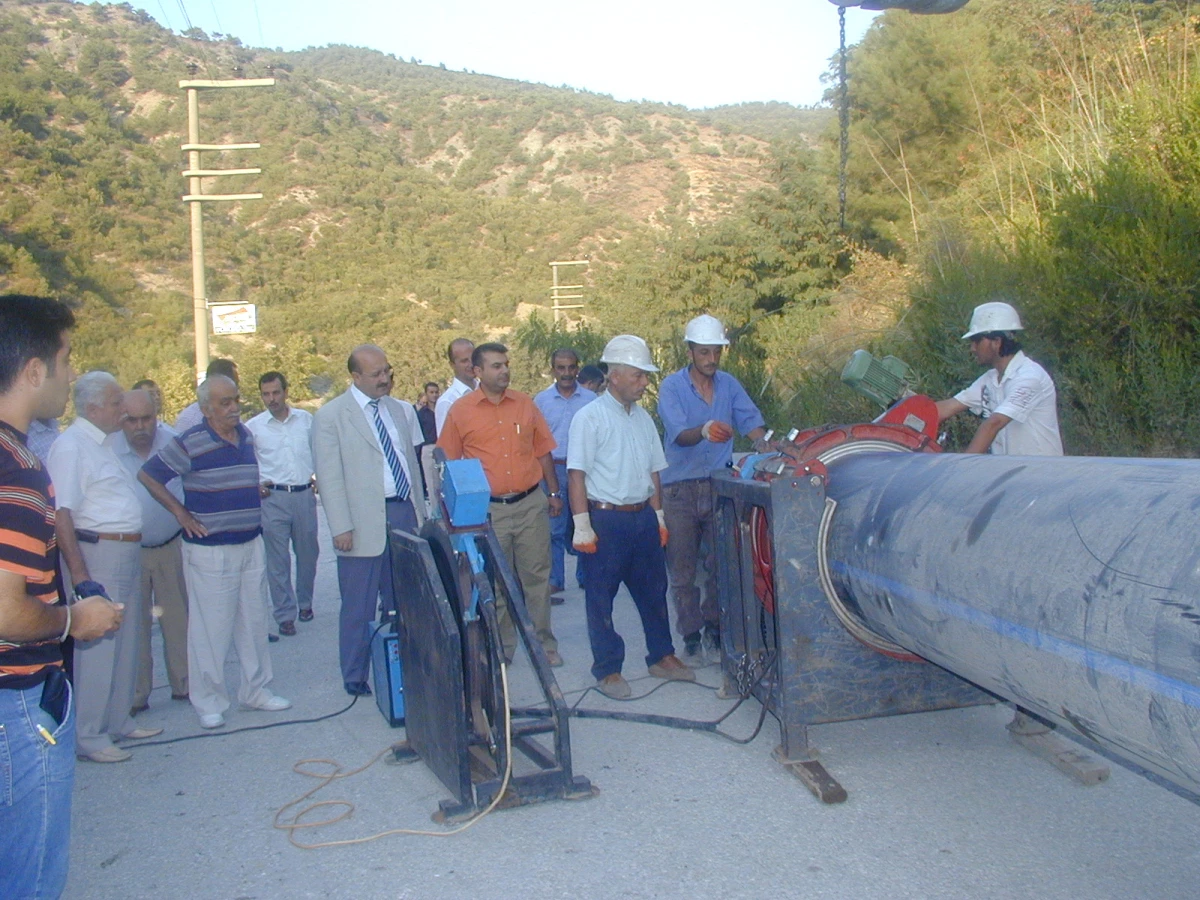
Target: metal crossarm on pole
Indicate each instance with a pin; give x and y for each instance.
(196, 198)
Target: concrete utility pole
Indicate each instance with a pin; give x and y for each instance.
(196, 198)
(556, 290)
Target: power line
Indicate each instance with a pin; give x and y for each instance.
(183, 9)
(262, 41)
(220, 27)
(165, 18)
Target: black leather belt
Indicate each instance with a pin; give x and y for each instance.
(618, 507)
(396, 499)
(558, 462)
(164, 543)
(514, 498)
(290, 488)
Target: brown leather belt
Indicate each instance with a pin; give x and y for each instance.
(84, 534)
(614, 507)
(514, 498)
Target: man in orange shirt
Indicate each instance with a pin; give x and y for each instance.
(507, 433)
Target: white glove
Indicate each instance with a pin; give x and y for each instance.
(585, 538)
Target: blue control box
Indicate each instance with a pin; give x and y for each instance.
(466, 492)
(385, 667)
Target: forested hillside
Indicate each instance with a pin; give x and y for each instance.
(1041, 150)
(403, 203)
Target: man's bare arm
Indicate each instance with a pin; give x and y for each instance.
(948, 408)
(186, 520)
(987, 432)
(25, 619)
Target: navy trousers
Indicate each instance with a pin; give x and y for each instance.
(628, 552)
(363, 580)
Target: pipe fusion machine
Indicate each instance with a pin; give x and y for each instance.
(878, 576)
(457, 714)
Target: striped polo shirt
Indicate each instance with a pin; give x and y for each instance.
(220, 482)
(28, 548)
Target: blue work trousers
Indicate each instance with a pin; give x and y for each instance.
(627, 551)
(36, 777)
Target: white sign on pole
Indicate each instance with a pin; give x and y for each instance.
(234, 318)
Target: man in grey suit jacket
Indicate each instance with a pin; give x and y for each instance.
(363, 449)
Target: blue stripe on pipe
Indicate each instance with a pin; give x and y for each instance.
(1132, 674)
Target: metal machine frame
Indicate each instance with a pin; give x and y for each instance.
(454, 702)
(821, 673)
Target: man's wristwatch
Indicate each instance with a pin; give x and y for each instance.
(554, 495)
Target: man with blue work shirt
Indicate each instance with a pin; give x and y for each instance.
(616, 504)
(558, 404)
(223, 559)
(700, 407)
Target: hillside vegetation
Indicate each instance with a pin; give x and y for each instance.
(1043, 151)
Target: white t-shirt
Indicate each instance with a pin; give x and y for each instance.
(1026, 395)
(616, 450)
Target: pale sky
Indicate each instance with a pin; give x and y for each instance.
(697, 53)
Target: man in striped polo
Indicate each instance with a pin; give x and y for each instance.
(223, 561)
(35, 702)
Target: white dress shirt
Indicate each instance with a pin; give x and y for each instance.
(446, 400)
(414, 429)
(90, 481)
(190, 417)
(283, 448)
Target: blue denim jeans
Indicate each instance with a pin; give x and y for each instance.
(627, 550)
(559, 547)
(36, 778)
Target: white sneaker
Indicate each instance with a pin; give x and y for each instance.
(212, 720)
(274, 703)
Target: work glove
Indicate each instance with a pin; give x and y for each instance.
(662, 527)
(585, 539)
(717, 432)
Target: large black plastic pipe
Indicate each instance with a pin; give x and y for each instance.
(1069, 585)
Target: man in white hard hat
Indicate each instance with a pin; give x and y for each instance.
(613, 465)
(1019, 406)
(700, 407)
(1015, 396)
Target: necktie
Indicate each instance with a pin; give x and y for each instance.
(389, 453)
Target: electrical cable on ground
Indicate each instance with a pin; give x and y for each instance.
(296, 823)
(227, 732)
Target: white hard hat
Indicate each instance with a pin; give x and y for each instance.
(628, 350)
(994, 316)
(706, 329)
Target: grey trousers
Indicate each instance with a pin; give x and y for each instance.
(228, 586)
(163, 586)
(289, 524)
(523, 531)
(688, 508)
(105, 669)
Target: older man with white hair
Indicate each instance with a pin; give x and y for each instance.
(99, 531)
(613, 464)
(223, 559)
